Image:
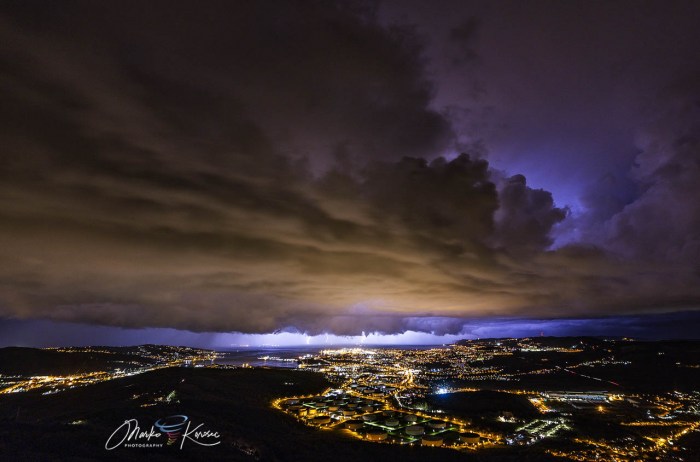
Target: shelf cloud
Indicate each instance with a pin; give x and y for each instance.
(259, 166)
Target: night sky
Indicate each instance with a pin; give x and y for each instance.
(186, 171)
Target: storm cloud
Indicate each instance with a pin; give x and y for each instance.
(256, 166)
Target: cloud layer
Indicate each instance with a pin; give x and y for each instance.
(261, 166)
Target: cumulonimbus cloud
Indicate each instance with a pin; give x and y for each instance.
(279, 167)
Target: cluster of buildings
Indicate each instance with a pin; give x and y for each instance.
(385, 395)
(537, 430)
(375, 420)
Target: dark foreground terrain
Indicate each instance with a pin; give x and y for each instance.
(75, 425)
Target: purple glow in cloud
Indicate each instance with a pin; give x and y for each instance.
(268, 172)
(42, 333)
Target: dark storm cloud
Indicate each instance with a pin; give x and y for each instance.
(526, 215)
(663, 222)
(557, 89)
(462, 38)
(260, 166)
(452, 200)
(650, 213)
(44, 333)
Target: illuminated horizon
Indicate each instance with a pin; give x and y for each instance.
(43, 333)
